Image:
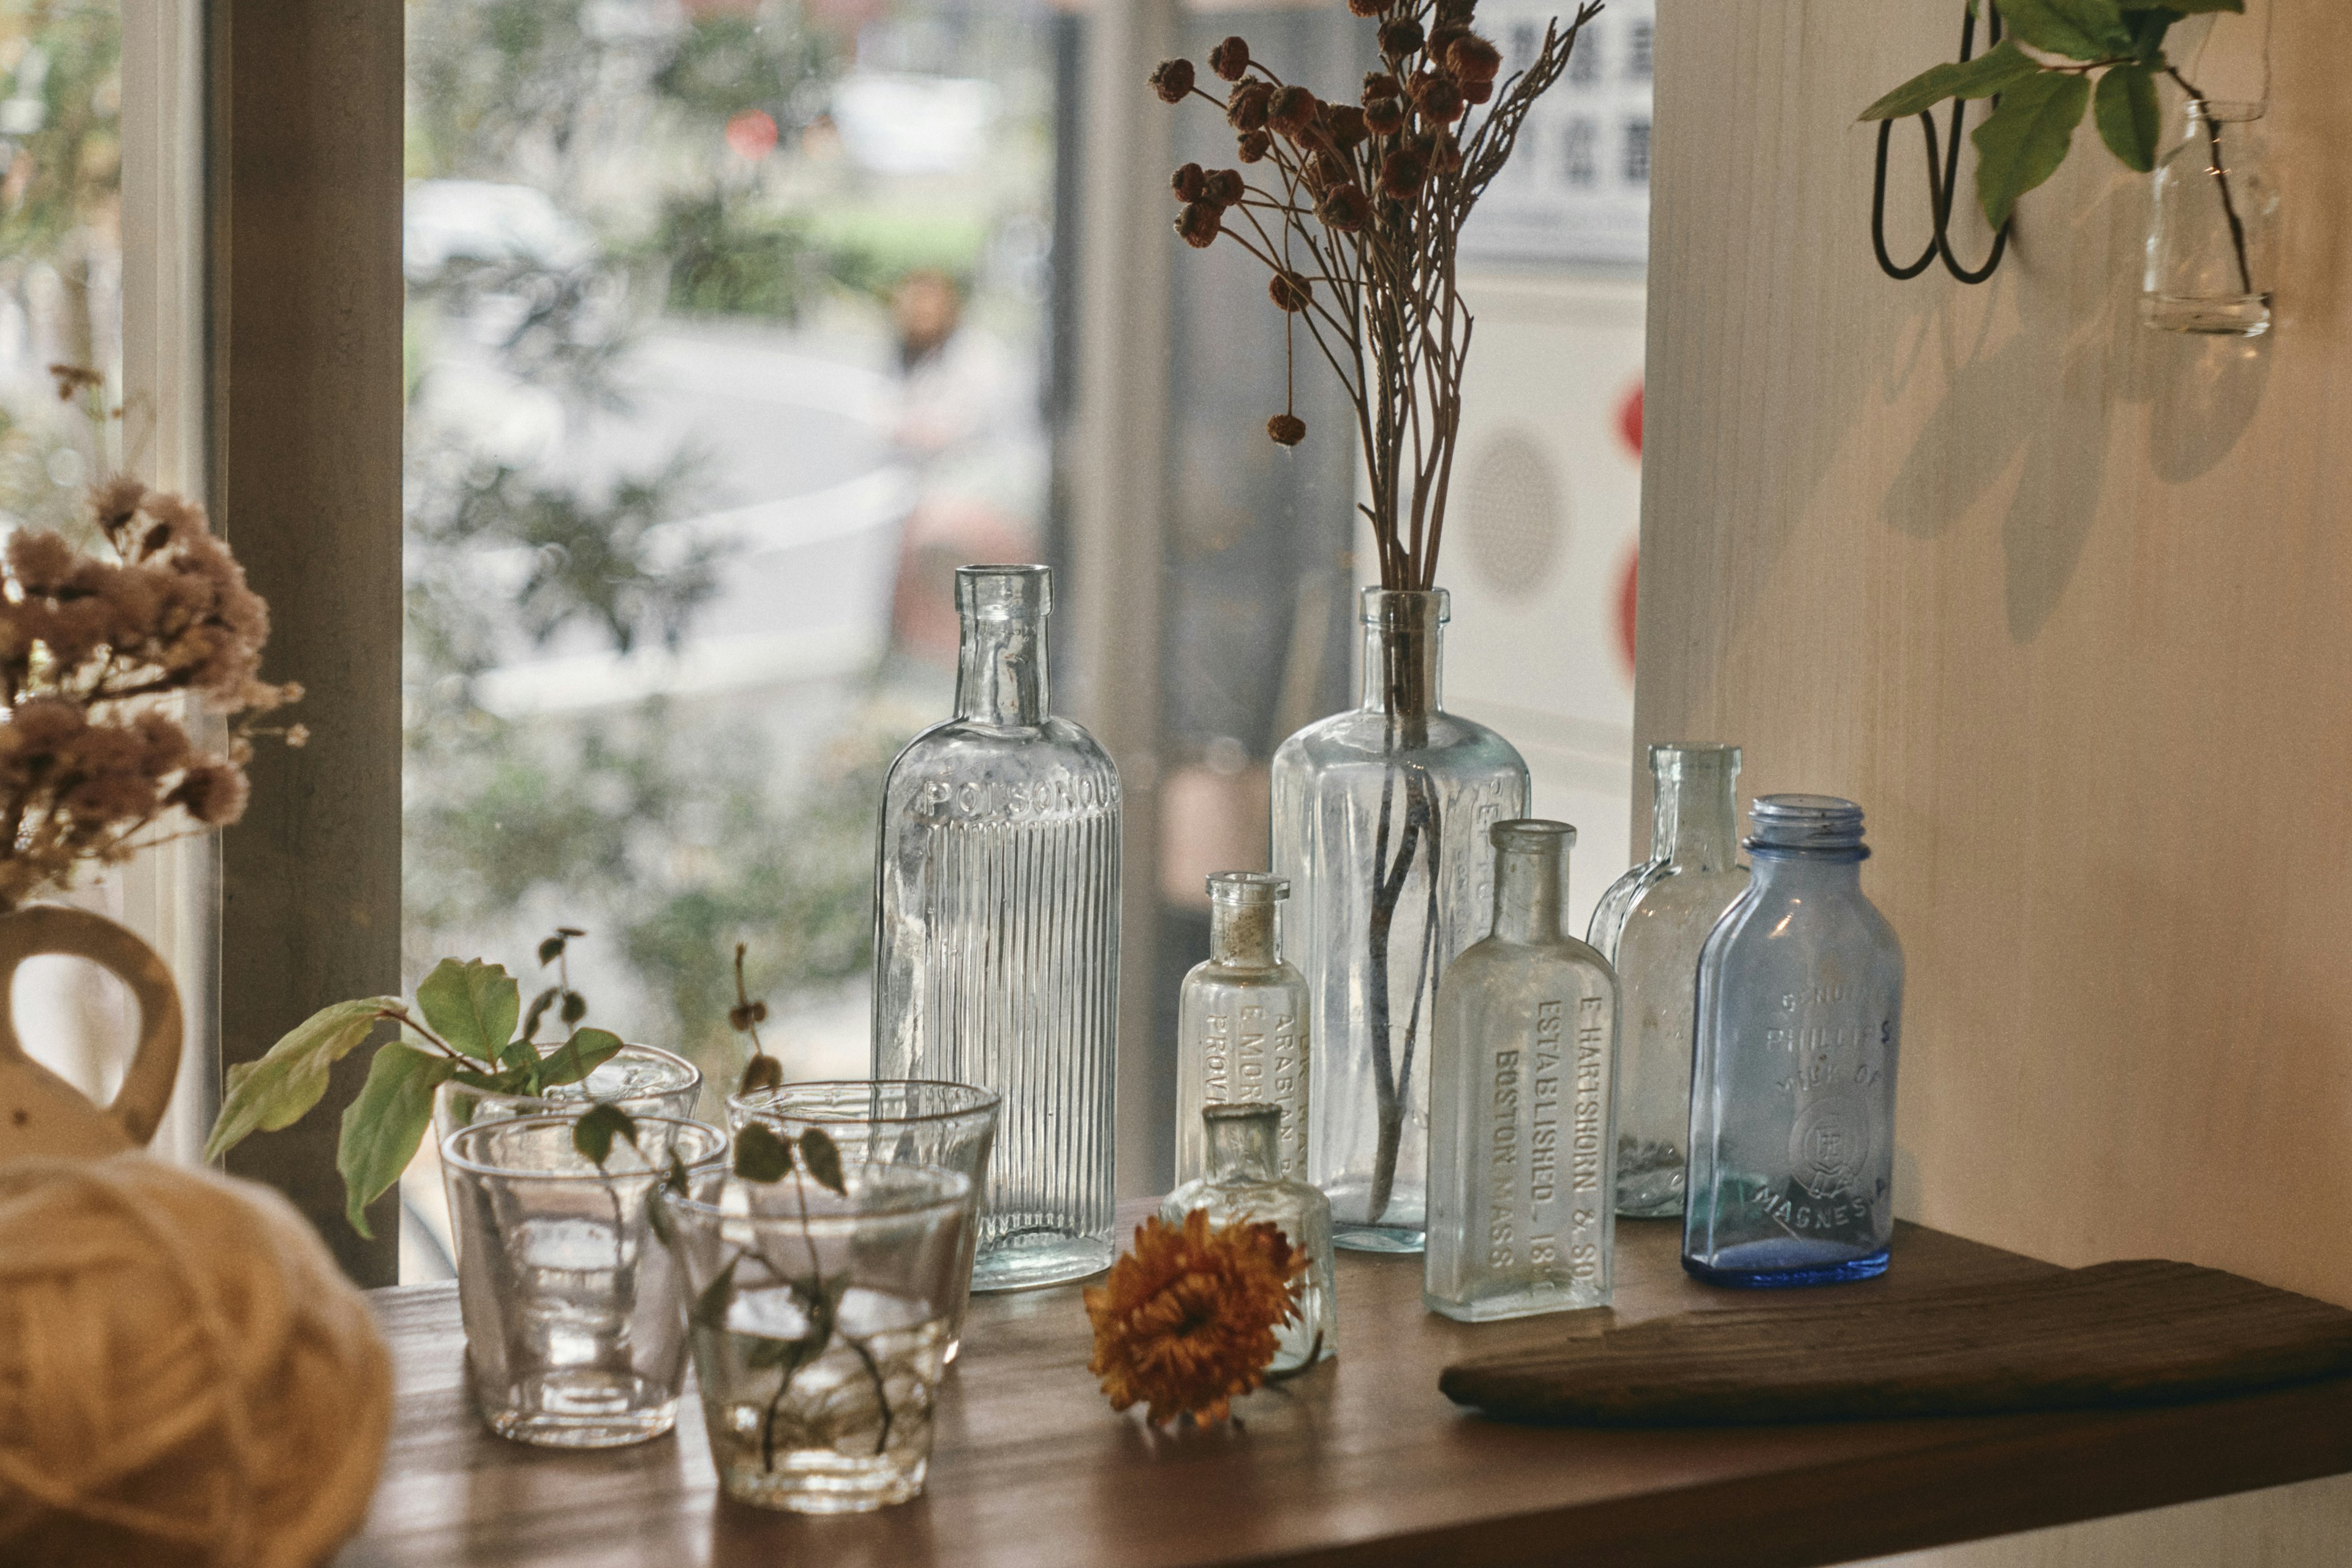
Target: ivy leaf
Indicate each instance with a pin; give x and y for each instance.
(760, 1155)
(273, 1092)
(1990, 72)
(571, 1061)
(473, 1006)
(2079, 30)
(823, 1159)
(2124, 107)
(539, 1007)
(2023, 142)
(383, 1126)
(594, 1134)
(710, 1304)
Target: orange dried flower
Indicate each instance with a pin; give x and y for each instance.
(1345, 207)
(1200, 223)
(1172, 81)
(1225, 187)
(1185, 1323)
(1366, 7)
(1401, 38)
(1384, 116)
(1291, 111)
(1189, 182)
(1289, 290)
(1286, 429)
(1231, 58)
(1255, 145)
(1246, 106)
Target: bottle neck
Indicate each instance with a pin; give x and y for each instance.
(1244, 1144)
(1531, 894)
(1404, 646)
(1244, 935)
(1695, 825)
(1833, 871)
(1001, 671)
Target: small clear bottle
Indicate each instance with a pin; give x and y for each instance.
(1245, 1182)
(1241, 1023)
(996, 934)
(2212, 237)
(1792, 1089)
(1650, 926)
(1520, 1213)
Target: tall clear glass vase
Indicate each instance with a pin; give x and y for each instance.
(1650, 925)
(1381, 817)
(996, 934)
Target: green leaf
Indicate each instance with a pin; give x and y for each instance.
(575, 1008)
(1990, 72)
(550, 950)
(760, 1155)
(2079, 30)
(573, 1060)
(539, 1007)
(2023, 142)
(2186, 7)
(762, 1071)
(473, 1006)
(2124, 107)
(711, 1303)
(273, 1092)
(675, 1180)
(383, 1126)
(594, 1134)
(823, 1159)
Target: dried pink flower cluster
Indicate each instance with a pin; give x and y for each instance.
(99, 660)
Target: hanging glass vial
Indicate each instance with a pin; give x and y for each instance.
(1241, 1023)
(1792, 1089)
(2212, 239)
(996, 934)
(1520, 1213)
(1244, 1183)
(1380, 822)
(1650, 926)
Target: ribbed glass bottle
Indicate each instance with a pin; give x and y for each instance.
(1650, 926)
(1520, 1219)
(1240, 1023)
(1792, 1080)
(996, 934)
(1380, 823)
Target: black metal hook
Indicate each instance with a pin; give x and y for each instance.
(1943, 178)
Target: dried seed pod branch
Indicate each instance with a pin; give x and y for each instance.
(1358, 212)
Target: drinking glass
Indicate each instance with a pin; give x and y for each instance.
(820, 1324)
(644, 1081)
(891, 1121)
(574, 1324)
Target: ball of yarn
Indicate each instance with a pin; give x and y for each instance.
(186, 1377)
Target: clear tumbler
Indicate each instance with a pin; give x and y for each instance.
(819, 1323)
(574, 1323)
(891, 1121)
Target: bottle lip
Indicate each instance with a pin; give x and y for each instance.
(1243, 1111)
(1531, 833)
(1670, 757)
(2226, 111)
(1386, 607)
(1823, 825)
(1005, 591)
(1248, 887)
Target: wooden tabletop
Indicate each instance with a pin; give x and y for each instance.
(1361, 1462)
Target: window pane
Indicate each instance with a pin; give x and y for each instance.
(726, 326)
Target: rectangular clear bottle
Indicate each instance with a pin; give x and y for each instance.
(1522, 1216)
(1241, 1023)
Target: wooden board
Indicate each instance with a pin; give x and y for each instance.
(1362, 1462)
(2108, 1337)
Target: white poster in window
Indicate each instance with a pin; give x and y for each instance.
(1578, 187)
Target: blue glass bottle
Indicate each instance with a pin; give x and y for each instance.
(1793, 1078)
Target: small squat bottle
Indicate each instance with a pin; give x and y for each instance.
(1244, 1183)
(1792, 1089)
(1650, 926)
(1241, 1023)
(1521, 1216)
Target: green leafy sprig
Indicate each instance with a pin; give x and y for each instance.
(762, 1071)
(2042, 76)
(463, 1030)
(766, 1156)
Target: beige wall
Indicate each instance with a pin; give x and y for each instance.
(2066, 603)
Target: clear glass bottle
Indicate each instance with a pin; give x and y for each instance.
(1650, 926)
(2212, 235)
(1520, 1216)
(996, 934)
(1380, 824)
(1792, 1088)
(1241, 1023)
(1245, 1182)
